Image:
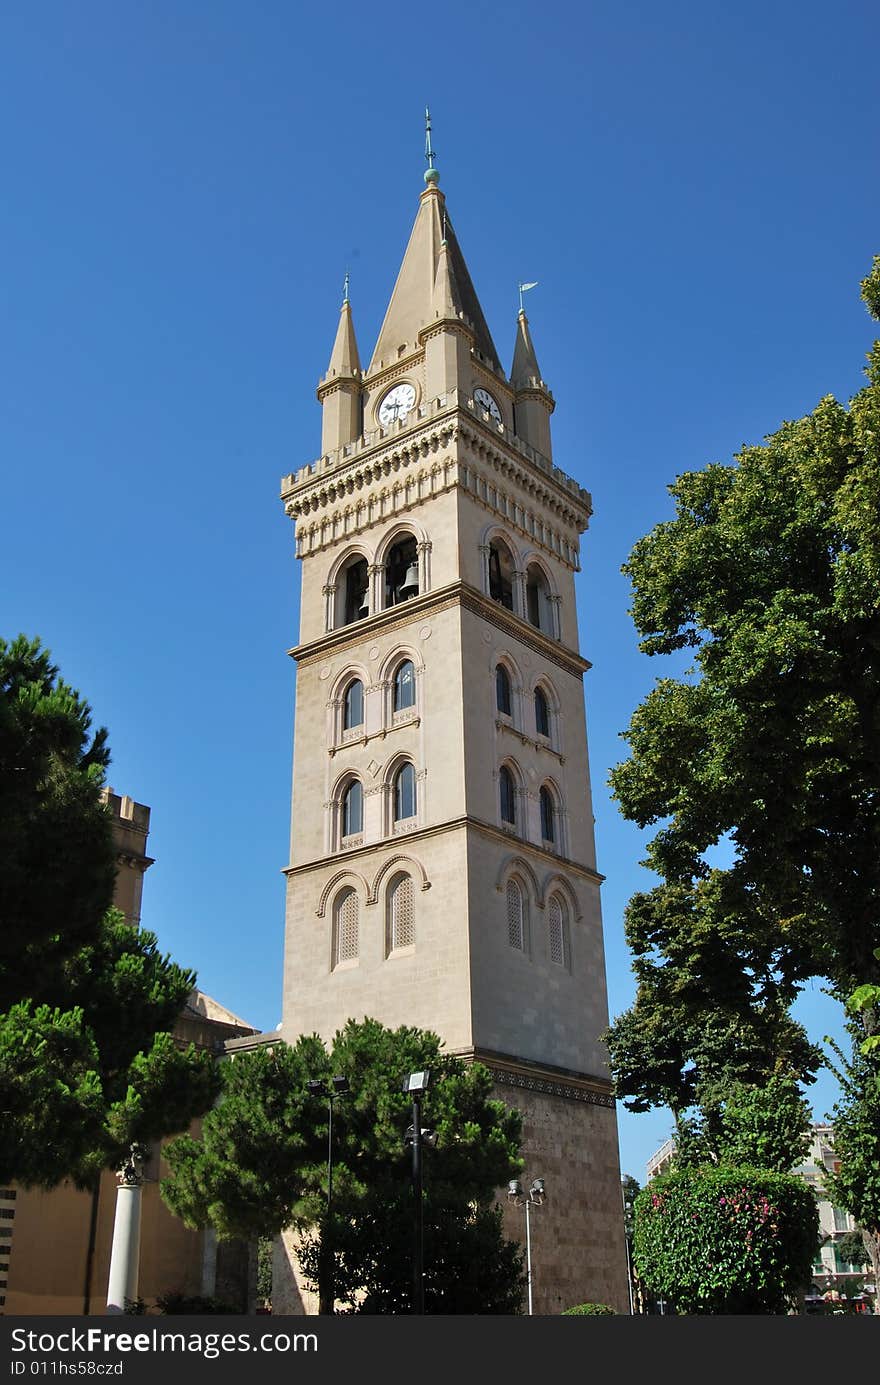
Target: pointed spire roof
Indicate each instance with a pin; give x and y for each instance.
(447, 298)
(414, 301)
(344, 358)
(525, 373)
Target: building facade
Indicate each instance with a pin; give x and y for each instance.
(442, 861)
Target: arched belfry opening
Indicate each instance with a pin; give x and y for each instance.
(402, 571)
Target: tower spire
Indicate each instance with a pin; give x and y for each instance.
(340, 390)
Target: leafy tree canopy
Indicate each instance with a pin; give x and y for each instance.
(87, 1062)
(770, 572)
(260, 1166)
(856, 1184)
(89, 1066)
(58, 858)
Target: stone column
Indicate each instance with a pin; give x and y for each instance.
(125, 1254)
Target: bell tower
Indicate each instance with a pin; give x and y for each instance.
(442, 863)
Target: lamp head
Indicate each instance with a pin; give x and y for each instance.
(341, 1085)
(315, 1087)
(514, 1188)
(417, 1082)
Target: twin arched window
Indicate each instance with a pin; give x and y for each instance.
(518, 924)
(400, 920)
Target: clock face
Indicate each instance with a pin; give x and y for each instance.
(485, 401)
(397, 403)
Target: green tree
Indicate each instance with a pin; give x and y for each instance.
(89, 1066)
(726, 1239)
(710, 1004)
(856, 1117)
(260, 1166)
(59, 862)
(743, 1124)
(770, 573)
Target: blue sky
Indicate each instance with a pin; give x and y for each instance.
(695, 188)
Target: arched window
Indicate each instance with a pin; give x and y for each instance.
(556, 928)
(507, 795)
(353, 809)
(345, 927)
(516, 922)
(548, 816)
(542, 713)
(401, 911)
(404, 686)
(404, 793)
(538, 599)
(402, 571)
(355, 583)
(353, 713)
(501, 575)
(502, 690)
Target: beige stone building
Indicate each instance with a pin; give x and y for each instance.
(55, 1245)
(442, 869)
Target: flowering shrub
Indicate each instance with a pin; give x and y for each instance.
(725, 1240)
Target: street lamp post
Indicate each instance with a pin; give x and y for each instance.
(416, 1084)
(338, 1086)
(534, 1198)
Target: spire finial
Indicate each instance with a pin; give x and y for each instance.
(432, 177)
(524, 288)
(345, 283)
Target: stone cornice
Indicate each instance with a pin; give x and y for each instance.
(377, 454)
(503, 619)
(561, 863)
(458, 593)
(543, 1078)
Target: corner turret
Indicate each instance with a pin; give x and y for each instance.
(340, 389)
(533, 402)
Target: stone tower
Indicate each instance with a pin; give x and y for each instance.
(442, 869)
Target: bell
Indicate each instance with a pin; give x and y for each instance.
(410, 584)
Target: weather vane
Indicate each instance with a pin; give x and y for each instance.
(524, 288)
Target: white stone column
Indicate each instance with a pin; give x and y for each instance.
(329, 593)
(520, 604)
(424, 552)
(125, 1254)
(484, 568)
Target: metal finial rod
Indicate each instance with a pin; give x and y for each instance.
(345, 287)
(524, 288)
(429, 152)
